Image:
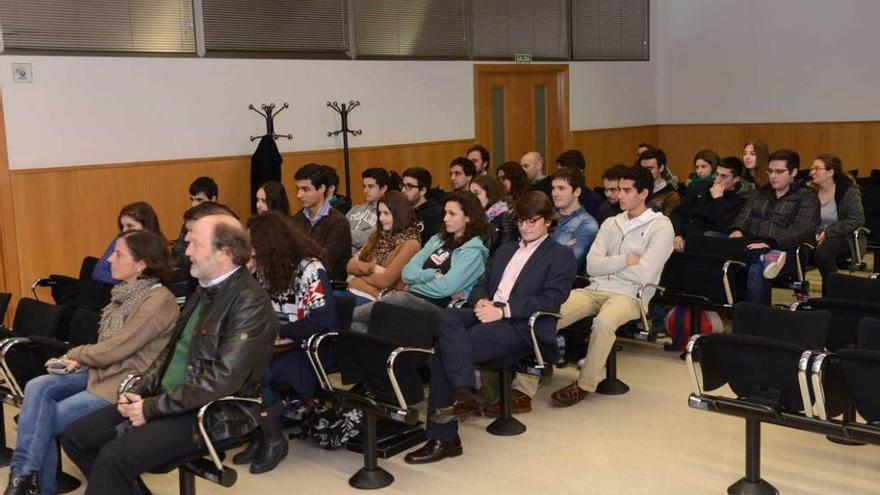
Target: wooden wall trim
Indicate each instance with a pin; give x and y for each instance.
(9, 271)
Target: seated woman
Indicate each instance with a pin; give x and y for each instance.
(447, 267)
(502, 229)
(840, 215)
(288, 266)
(705, 163)
(514, 180)
(272, 196)
(135, 216)
(377, 265)
(134, 329)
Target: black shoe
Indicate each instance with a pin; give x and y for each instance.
(459, 410)
(433, 451)
(274, 447)
(22, 485)
(250, 453)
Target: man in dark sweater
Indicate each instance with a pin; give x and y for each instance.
(324, 224)
(533, 164)
(710, 208)
(416, 184)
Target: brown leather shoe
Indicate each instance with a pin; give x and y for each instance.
(520, 404)
(459, 410)
(433, 451)
(568, 395)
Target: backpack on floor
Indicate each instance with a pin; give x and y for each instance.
(678, 325)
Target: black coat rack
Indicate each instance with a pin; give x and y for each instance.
(343, 110)
(269, 114)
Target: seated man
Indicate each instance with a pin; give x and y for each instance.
(630, 250)
(577, 228)
(710, 208)
(221, 346)
(362, 218)
(534, 274)
(480, 156)
(777, 218)
(533, 165)
(461, 172)
(202, 190)
(664, 197)
(429, 216)
(610, 207)
(324, 224)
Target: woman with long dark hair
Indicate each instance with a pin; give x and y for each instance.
(134, 216)
(502, 228)
(272, 196)
(514, 179)
(840, 215)
(377, 266)
(288, 265)
(447, 267)
(756, 158)
(133, 330)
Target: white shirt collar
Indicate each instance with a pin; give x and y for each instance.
(219, 279)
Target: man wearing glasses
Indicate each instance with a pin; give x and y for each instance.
(629, 250)
(774, 221)
(416, 184)
(534, 274)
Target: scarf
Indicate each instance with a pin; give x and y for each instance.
(123, 299)
(387, 242)
(497, 209)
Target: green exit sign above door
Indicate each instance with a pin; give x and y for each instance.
(522, 58)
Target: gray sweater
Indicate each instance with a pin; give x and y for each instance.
(362, 219)
(650, 239)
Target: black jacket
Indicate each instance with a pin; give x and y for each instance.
(542, 285)
(429, 216)
(229, 352)
(265, 166)
(783, 223)
(700, 212)
(502, 229)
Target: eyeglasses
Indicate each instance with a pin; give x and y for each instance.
(528, 221)
(409, 187)
(776, 171)
(816, 169)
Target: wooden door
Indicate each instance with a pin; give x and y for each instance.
(521, 108)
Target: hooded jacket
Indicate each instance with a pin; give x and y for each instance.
(650, 239)
(467, 266)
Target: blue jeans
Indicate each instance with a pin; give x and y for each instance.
(51, 402)
(758, 288)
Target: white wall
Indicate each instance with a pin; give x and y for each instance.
(767, 60)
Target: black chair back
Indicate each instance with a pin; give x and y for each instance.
(809, 329)
(845, 318)
(344, 310)
(407, 326)
(851, 288)
(869, 334)
(34, 317)
(362, 359)
(723, 247)
(861, 369)
(695, 278)
(5, 297)
(760, 369)
(87, 267)
(84, 327)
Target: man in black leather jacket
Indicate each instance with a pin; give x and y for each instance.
(221, 346)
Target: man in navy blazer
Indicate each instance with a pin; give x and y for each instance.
(534, 274)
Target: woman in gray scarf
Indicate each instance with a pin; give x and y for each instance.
(134, 328)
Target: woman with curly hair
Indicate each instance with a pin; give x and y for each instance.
(449, 265)
(377, 265)
(288, 265)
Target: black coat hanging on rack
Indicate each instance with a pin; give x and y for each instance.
(266, 160)
(343, 111)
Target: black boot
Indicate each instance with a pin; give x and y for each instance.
(22, 485)
(274, 441)
(253, 449)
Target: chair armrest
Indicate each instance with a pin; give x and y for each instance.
(797, 259)
(7, 345)
(728, 292)
(537, 348)
(692, 345)
(323, 379)
(392, 377)
(643, 303)
(40, 282)
(803, 382)
(200, 419)
(818, 368)
(128, 382)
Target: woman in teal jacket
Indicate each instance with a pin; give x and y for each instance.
(447, 267)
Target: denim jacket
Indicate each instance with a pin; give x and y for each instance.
(577, 232)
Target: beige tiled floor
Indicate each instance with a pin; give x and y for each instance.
(645, 442)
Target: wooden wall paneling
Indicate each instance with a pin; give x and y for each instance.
(605, 147)
(8, 238)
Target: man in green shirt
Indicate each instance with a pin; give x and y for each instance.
(221, 346)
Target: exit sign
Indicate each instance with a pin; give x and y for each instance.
(523, 58)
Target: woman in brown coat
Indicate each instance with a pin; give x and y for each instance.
(134, 328)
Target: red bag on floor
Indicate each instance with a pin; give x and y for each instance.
(678, 325)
